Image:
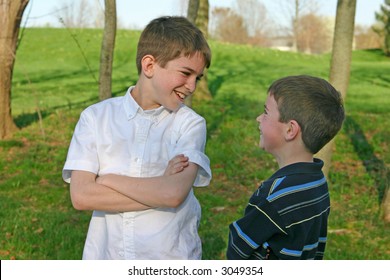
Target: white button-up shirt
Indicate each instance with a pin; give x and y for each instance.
(116, 136)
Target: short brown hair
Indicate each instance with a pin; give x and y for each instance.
(167, 38)
(314, 103)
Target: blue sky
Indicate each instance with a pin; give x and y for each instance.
(137, 13)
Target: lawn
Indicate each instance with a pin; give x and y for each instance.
(54, 80)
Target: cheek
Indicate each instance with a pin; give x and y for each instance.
(267, 130)
(179, 80)
(171, 83)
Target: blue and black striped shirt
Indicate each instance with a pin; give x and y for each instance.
(287, 214)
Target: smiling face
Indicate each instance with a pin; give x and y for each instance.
(169, 86)
(271, 129)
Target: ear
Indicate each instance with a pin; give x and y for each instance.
(293, 129)
(148, 63)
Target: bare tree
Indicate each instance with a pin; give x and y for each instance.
(202, 21)
(294, 11)
(313, 35)
(295, 26)
(198, 13)
(341, 61)
(192, 14)
(99, 15)
(366, 38)
(11, 12)
(229, 26)
(254, 14)
(107, 50)
(192, 11)
(383, 18)
(245, 23)
(75, 15)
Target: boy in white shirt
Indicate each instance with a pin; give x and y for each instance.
(117, 162)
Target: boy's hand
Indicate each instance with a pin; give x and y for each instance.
(176, 165)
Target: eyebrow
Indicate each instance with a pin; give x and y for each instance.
(192, 71)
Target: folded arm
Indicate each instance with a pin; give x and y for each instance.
(86, 194)
(162, 191)
(119, 193)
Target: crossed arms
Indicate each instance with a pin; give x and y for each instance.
(118, 193)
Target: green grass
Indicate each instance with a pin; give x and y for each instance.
(51, 77)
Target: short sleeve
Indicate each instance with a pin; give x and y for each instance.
(247, 234)
(82, 153)
(190, 139)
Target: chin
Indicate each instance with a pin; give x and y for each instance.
(262, 146)
(174, 108)
(179, 106)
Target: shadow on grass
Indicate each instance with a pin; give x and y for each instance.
(213, 247)
(53, 76)
(26, 119)
(7, 144)
(229, 107)
(375, 167)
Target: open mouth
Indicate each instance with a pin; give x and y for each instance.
(181, 96)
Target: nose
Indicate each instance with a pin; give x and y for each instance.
(191, 84)
(258, 119)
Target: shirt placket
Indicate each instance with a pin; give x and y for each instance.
(138, 149)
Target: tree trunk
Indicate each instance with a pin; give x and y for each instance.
(202, 21)
(11, 12)
(192, 14)
(107, 50)
(295, 24)
(192, 11)
(341, 61)
(386, 204)
(198, 13)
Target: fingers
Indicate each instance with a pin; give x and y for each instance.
(179, 159)
(177, 164)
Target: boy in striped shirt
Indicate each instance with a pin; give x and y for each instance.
(287, 216)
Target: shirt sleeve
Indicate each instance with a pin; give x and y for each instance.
(190, 140)
(82, 153)
(247, 234)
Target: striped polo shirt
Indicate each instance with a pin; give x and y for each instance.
(288, 213)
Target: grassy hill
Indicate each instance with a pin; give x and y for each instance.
(55, 78)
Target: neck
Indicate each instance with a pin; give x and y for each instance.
(141, 98)
(293, 156)
(283, 163)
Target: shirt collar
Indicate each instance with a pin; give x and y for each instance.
(132, 108)
(303, 167)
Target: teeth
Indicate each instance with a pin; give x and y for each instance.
(181, 95)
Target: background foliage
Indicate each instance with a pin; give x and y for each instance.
(53, 83)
